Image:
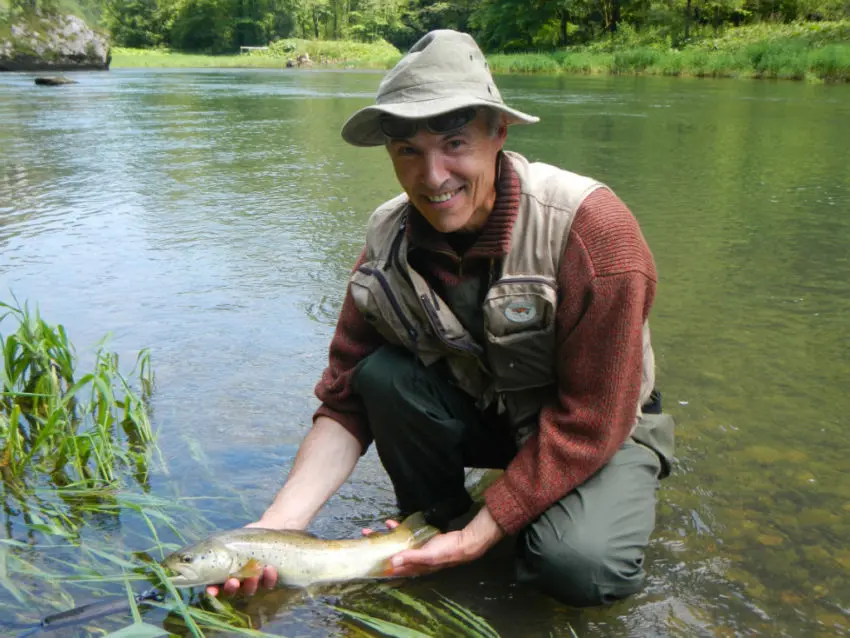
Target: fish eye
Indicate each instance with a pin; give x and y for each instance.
(186, 558)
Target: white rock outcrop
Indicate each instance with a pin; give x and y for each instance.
(60, 43)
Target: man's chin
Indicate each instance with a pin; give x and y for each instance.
(449, 222)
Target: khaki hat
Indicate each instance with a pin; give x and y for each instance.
(444, 71)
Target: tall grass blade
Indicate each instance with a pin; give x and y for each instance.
(138, 630)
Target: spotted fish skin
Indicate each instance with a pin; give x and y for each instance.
(300, 559)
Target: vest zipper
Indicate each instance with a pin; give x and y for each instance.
(408, 325)
(393, 256)
(434, 320)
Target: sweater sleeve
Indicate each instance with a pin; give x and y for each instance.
(607, 283)
(354, 339)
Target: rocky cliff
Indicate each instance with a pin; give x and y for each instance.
(54, 43)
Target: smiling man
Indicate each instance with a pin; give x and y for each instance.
(497, 317)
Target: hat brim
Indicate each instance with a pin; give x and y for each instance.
(363, 128)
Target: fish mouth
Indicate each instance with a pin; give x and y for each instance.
(185, 575)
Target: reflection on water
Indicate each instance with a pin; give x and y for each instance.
(213, 217)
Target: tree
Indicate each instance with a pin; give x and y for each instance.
(133, 23)
(203, 25)
(506, 25)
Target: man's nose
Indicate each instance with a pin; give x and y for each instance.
(435, 172)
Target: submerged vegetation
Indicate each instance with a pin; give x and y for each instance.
(61, 424)
(77, 451)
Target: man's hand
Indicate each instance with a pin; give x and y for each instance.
(325, 458)
(448, 550)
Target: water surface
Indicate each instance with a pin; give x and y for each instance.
(213, 217)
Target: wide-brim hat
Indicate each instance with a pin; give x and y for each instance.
(444, 71)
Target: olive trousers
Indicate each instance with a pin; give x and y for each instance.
(587, 549)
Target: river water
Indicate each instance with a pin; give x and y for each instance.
(213, 216)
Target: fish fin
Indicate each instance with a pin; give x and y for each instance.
(382, 571)
(419, 527)
(252, 568)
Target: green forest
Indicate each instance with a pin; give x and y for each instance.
(222, 26)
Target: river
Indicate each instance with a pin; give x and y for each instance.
(213, 216)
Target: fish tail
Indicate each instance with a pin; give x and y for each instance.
(420, 529)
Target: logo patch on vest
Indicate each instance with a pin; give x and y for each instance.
(521, 311)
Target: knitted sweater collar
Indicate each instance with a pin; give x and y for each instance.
(494, 239)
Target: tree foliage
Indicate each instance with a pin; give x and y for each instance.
(499, 25)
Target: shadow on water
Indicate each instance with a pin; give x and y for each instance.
(214, 216)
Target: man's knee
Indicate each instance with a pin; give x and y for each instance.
(384, 374)
(581, 568)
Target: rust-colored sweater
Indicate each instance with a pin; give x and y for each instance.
(606, 287)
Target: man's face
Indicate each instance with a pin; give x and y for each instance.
(450, 178)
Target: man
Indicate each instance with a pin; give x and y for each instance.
(497, 317)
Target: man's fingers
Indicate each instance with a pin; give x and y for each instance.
(230, 587)
(418, 557)
(269, 577)
(249, 586)
(390, 523)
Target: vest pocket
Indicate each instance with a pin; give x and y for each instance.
(519, 317)
(521, 361)
(376, 301)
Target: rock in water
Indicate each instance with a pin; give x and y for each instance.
(54, 81)
(53, 43)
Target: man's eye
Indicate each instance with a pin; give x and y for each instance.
(456, 144)
(406, 150)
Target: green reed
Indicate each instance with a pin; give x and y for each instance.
(69, 442)
(406, 616)
(75, 428)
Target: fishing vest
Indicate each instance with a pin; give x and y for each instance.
(515, 366)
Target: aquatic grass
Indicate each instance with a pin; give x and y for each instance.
(90, 567)
(138, 629)
(195, 619)
(75, 451)
(53, 423)
(411, 617)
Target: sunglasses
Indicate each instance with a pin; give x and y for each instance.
(400, 128)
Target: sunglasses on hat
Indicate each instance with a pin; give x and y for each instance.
(400, 128)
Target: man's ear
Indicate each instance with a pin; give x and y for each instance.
(502, 134)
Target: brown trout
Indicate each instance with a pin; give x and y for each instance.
(300, 558)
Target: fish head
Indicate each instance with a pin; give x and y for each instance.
(209, 562)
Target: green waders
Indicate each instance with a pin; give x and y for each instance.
(587, 549)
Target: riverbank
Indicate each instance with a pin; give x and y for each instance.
(807, 51)
(322, 53)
